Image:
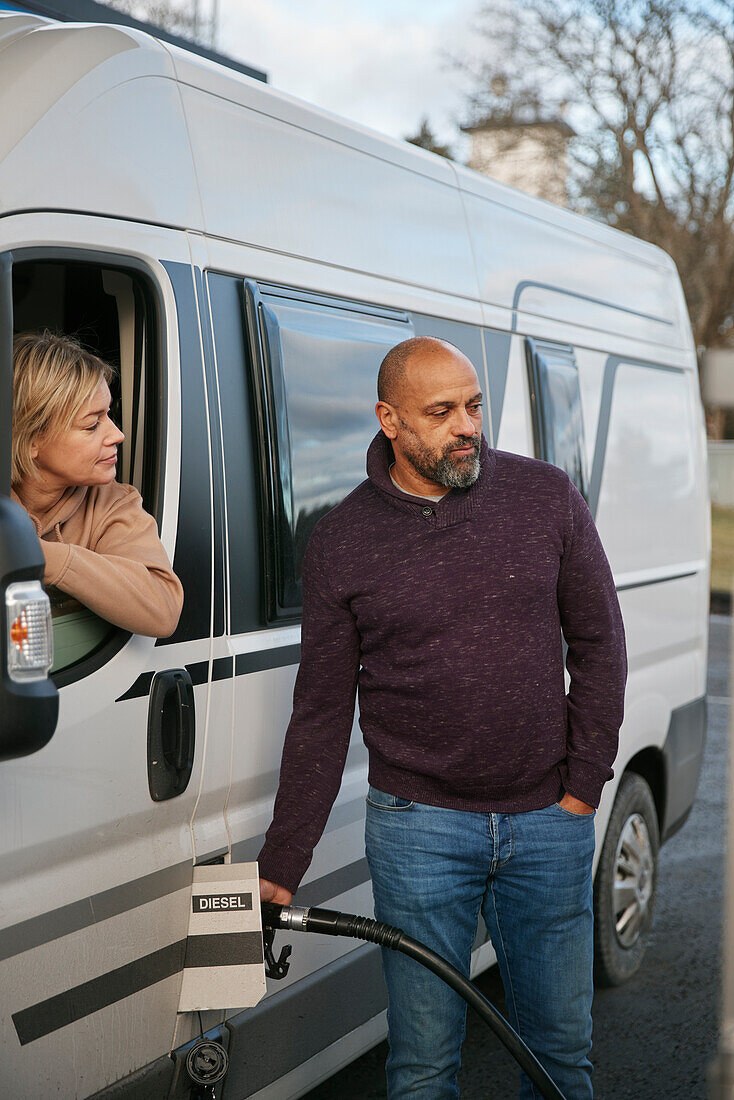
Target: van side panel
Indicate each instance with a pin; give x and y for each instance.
(417, 234)
(563, 270)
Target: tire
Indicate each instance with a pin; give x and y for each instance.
(626, 882)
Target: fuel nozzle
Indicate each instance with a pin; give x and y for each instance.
(274, 968)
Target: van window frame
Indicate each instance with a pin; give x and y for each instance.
(155, 443)
(269, 383)
(538, 351)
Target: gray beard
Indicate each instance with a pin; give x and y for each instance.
(442, 469)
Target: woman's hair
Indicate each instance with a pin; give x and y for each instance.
(53, 376)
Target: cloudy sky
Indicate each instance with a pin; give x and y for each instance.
(383, 63)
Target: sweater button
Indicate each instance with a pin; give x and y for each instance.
(427, 511)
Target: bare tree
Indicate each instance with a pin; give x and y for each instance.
(649, 88)
(426, 139)
(191, 19)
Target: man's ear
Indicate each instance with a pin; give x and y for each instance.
(388, 418)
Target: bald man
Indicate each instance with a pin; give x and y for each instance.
(439, 589)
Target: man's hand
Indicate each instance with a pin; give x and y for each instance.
(573, 805)
(270, 891)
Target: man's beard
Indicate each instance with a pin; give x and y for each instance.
(440, 467)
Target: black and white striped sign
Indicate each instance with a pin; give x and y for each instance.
(224, 966)
(203, 903)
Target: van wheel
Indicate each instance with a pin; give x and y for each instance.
(626, 879)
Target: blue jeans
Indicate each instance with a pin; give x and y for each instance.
(433, 870)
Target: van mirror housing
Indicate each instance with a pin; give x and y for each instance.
(29, 704)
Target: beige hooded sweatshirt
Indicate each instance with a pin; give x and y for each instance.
(102, 548)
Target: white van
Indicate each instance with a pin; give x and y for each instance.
(247, 260)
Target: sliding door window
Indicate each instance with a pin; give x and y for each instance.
(555, 400)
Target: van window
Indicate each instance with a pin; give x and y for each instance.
(650, 499)
(316, 388)
(555, 400)
(110, 312)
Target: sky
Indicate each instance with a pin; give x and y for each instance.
(383, 63)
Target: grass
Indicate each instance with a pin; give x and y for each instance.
(722, 548)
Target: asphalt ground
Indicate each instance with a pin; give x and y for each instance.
(655, 1036)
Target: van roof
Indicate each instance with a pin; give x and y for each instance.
(225, 154)
(92, 11)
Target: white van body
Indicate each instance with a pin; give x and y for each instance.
(129, 161)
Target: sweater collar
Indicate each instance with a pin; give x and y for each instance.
(456, 506)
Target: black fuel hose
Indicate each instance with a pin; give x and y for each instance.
(330, 923)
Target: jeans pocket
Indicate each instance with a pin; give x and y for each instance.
(379, 800)
(570, 813)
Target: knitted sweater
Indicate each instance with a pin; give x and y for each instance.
(447, 618)
(103, 548)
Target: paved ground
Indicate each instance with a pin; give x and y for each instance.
(654, 1036)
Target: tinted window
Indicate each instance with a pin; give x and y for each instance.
(556, 405)
(321, 359)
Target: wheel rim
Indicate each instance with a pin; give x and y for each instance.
(633, 880)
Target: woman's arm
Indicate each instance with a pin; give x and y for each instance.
(125, 576)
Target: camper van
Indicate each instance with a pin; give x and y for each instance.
(246, 260)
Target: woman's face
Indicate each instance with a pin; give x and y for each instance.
(86, 453)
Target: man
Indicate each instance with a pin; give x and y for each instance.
(440, 587)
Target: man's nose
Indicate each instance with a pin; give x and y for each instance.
(463, 424)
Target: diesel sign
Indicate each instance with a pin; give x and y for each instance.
(223, 964)
(205, 903)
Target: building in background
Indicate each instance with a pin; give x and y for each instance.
(88, 11)
(531, 155)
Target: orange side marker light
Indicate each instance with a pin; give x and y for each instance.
(19, 631)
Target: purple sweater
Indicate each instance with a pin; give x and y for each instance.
(447, 618)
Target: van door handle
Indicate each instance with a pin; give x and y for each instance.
(171, 733)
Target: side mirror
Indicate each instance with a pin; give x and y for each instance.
(29, 701)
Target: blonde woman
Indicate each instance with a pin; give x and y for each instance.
(100, 546)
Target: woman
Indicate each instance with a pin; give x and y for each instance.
(100, 546)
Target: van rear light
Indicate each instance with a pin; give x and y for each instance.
(30, 634)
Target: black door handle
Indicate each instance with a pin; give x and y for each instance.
(171, 733)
